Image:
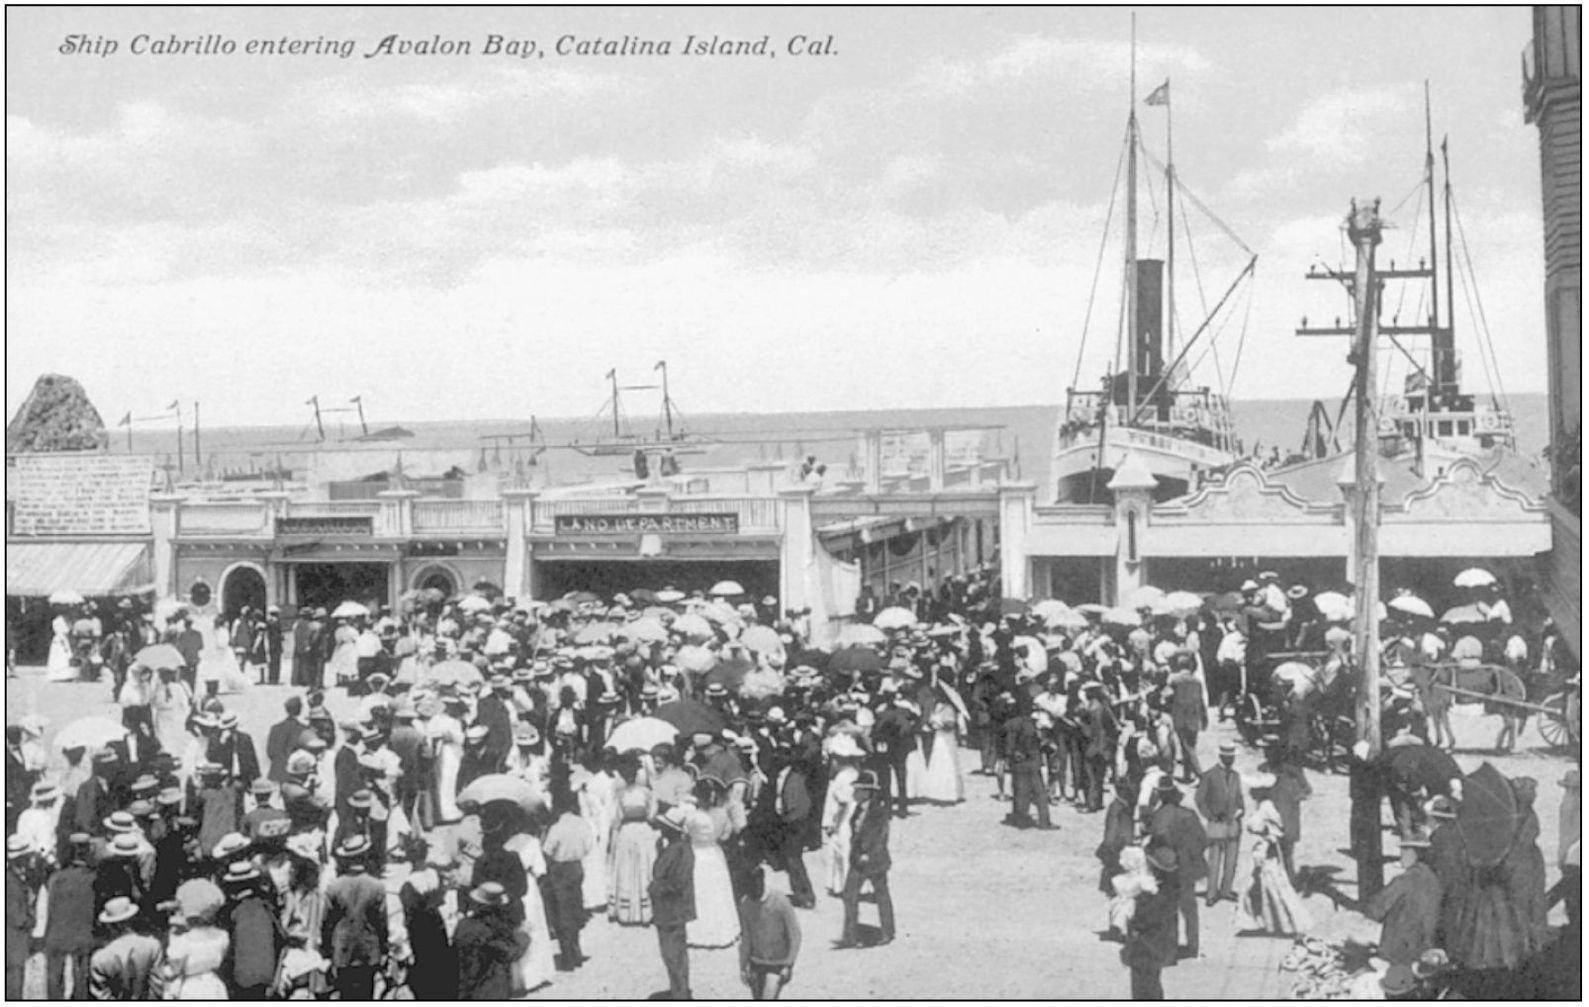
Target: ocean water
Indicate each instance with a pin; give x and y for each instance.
(1022, 433)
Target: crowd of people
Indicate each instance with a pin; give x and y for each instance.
(515, 769)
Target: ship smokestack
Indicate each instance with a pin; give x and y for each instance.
(1150, 317)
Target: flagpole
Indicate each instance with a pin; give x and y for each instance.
(1131, 238)
(1169, 202)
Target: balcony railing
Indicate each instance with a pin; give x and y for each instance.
(448, 516)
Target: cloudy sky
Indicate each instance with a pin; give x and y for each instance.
(911, 220)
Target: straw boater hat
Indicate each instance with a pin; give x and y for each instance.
(118, 910)
(17, 848)
(44, 791)
(673, 820)
(352, 847)
(239, 871)
(230, 845)
(525, 735)
(120, 821)
(1441, 807)
(124, 845)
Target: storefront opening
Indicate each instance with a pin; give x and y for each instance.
(327, 585)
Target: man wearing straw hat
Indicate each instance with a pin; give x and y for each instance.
(1150, 933)
(127, 967)
(20, 902)
(869, 861)
(1409, 907)
(354, 930)
(255, 934)
(672, 892)
(69, 929)
(487, 945)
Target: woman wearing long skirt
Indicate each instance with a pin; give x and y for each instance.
(59, 666)
(837, 808)
(716, 923)
(598, 806)
(942, 784)
(445, 734)
(1270, 904)
(344, 664)
(536, 967)
(634, 850)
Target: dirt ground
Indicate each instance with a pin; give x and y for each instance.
(984, 911)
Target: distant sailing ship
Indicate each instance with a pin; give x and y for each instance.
(669, 438)
(1150, 408)
(1433, 420)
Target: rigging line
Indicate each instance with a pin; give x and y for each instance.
(1202, 298)
(1246, 272)
(1484, 322)
(1210, 214)
(1103, 244)
(1412, 238)
(1241, 341)
(1484, 361)
(1417, 188)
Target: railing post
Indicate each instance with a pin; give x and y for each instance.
(518, 569)
(397, 513)
(163, 508)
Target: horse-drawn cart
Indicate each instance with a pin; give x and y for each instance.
(1305, 699)
(1504, 693)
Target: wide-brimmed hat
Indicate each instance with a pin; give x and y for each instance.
(124, 845)
(866, 780)
(229, 845)
(262, 788)
(227, 720)
(239, 871)
(1441, 807)
(1167, 786)
(300, 763)
(843, 746)
(361, 798)
(489, 894)
(44, 790)
(1260, 781)
(673, 820)
(17, 847)
(526, 734)
(1162, 856)
(120, 821)
(354, 846)
(1227, 748)
(169, 797)
(141, 808)
(118, 910)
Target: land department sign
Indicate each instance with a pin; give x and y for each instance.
(646, 524)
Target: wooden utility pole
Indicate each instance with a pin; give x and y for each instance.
(1364, 228)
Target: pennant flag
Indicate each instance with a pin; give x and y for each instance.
(174, 405)
(1160, 94)
(125, 420)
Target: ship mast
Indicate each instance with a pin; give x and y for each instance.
(1169, 204)
(612, 376)
(667, 402)
(1131, 236)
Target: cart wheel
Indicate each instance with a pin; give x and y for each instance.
(1560, 726)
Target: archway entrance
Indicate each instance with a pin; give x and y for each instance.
(438, 579)
(243, 586)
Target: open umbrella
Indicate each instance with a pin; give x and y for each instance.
(474, 603)
(894, 618)
(1049, 607)
(643, 596)
(642, 734)
(1474, 577)
(720, 612)
(1333, 606)
(66, 596)
(693, 627)
(351, 610)
(1183, 603)
(730, 672)
(1072, 620)
(860, 634)
(644, 630)
(90, 733)
(1092, 608)
(160, 656)
(1408, 604)
(855, 660)
(1295, 673)
(1488, 816)
(761, 684)
(763, 640)
(1142, 597)
(1122, 616)
(690, 716)
(501, 787)
(1461, 615)
(455, 672)
(595, 632)
(726, 589)
(695, 659)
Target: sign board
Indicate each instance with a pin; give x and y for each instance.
(81, 494)
(348, 525)
(646, 524)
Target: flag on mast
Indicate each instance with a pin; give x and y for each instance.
(1159, 95)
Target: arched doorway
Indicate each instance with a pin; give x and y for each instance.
(437, 578)
(242, 585)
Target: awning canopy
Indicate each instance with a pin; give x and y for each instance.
(39, 569)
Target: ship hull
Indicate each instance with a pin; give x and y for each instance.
(1083, 467)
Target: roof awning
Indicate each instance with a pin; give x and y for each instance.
(39, 569)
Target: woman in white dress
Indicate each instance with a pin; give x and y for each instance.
(217, 661)
(194, 959)
(59, 666)
(598, 805)
(716, 923)
(536, 967)
(916, 758)
(343, 668)
(837, 809)
(173, 704)
(942, 783)
(445, 731)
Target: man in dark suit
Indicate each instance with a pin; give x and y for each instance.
(1188, 712)
(19, 780)
(94, 800)
(234, 750)
(283, 738)
(1097, 728)
(1025, 747)
(306, 670)
(272, 638)
(672, 892)
(1219, 801)
(892, 735)
(495, 711)
(793, 806)
(1181, 829)
(189, 642)
(869, 861)
(345, 768)
(20, 899)
(1150, 934)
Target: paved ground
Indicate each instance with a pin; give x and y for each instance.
(984, 911)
